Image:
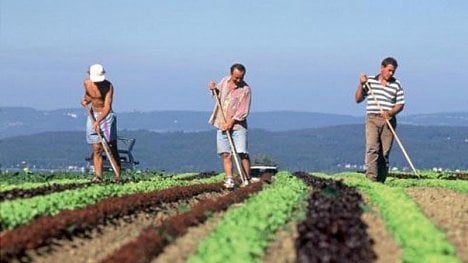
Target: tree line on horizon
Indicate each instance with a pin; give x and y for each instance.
(322, 149)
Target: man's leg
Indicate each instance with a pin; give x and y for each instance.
(97, 160)
(372, 146)
(224, 151)
(386, 138)
(227, 164)
(245, 164)
(382, 167)
(240, 140)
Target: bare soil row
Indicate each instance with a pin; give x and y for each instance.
(158, 230)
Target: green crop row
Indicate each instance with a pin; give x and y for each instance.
(429, 174)
(455, 185)
(68, 178)
(18, 179)
(420, 239)
(27, 186)
(183, 175)
(458, 185)
(21, 211)
(244, 232)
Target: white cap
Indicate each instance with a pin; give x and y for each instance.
(96, 73)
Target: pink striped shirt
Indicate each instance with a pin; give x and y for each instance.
(235, 104)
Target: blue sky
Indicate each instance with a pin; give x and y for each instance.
(300, 55)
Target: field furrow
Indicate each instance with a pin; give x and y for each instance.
(72, 222)
(300, 217)
(152, 240)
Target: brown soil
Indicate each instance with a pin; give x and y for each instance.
(282, 249)
(182, 248)
(449, 211)
(103, 241)
(385, 246)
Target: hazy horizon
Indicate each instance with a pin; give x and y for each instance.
(209, 111)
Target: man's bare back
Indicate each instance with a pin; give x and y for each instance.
(93, 94)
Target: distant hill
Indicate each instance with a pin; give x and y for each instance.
(16, 121)
(317, 149)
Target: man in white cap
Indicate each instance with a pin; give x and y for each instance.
(99, 92)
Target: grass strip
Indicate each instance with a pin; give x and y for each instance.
(245, 232)
(8, 180)
(455, 185)
(44, 190)
(429, 174)
(420, 239)
(21, 211)
(18, 178)
(459, 186)
(32, 185)
(49, 188)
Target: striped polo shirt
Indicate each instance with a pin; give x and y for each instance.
(387, 96)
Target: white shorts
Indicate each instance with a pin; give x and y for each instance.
(239, 138)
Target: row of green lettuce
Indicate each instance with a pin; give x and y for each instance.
(430, 174)
(29, 181)
(419, 238)
(18, 212)
(458, 186)
(245, 232)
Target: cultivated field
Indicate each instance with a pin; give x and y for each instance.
(290, 217)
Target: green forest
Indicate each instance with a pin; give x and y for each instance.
(318, 149)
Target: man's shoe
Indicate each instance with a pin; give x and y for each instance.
(254, 179)
(245, 183)
(97, 179)
(229, 183)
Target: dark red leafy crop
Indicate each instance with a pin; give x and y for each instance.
(333, 230)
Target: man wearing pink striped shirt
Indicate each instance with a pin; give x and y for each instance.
(235, 97)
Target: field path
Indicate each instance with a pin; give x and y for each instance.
(102, 242)
(385, 246)
(449, 211)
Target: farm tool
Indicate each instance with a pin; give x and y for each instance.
(368, 87)
(231, 141)
(105, 145)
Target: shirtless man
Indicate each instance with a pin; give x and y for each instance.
(99, 92)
